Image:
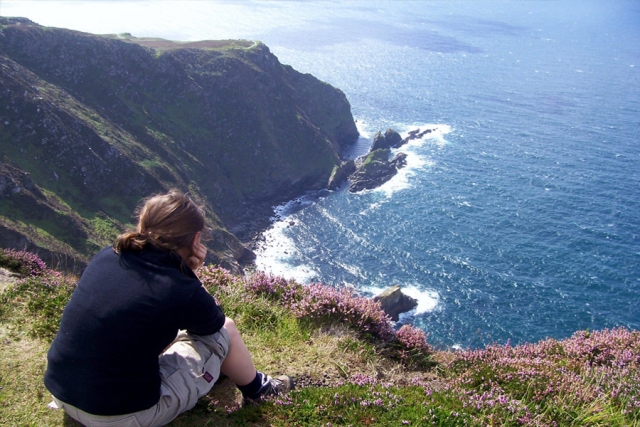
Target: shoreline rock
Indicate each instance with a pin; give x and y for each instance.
(341, 173)
(415, 134)
(394, 302)
(375, 169)
(390, 139)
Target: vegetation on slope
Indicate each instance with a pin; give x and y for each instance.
(352, 367)
(91, 124)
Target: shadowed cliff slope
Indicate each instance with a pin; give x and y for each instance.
(90, 124)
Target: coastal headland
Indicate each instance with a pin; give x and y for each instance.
(94, 123)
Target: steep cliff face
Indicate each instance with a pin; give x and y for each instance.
(99, 122)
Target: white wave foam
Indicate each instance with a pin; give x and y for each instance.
(438, 131)
(363, 128)
(276, 253)
(362, 145)
(427, 299)
(353, 269)
(343, 228)
(281, 212)
(402, 181)
(398, 183)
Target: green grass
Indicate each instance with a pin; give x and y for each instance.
(162, 45)
(381, 154)
(345, 377)
(104, 228)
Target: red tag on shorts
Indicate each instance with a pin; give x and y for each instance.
(207, 376)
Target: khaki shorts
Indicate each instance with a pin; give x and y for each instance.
(188, 370)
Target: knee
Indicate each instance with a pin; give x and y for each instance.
(234, 334)
(230, 326)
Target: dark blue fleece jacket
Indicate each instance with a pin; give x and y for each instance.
(126, 310)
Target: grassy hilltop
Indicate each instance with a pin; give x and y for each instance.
(351, 367)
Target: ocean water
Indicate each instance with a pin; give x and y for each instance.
(519, 218)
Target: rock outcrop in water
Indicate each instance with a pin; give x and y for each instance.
(415, 134)
(375, 169)
(390, 139)
(394, 302)
(98, 122)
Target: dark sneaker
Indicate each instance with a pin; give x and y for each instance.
(272, 387)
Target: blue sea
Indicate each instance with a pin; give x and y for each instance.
(519, 217)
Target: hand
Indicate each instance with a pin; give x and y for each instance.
(198, 253)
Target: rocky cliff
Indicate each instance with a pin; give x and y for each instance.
(91, 124)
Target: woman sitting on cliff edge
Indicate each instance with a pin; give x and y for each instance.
(141, 339)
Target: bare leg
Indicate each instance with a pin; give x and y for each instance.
(238, 365)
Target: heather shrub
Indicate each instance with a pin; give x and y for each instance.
(250, 310)
(321, 304)
(411, 347)
(23, 263)
(589, 379)
(363, 314)
(286, 292)
(577, 381)
(43, 292)
(218, 281)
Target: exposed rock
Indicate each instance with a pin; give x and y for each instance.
(14, 181)
(393, 138)
(415, 134)
(226, 243)
(394, 302)
(375, 169)
(390, 139)
(341, 173)
(8, 186)
(379, 142)
(399, 161)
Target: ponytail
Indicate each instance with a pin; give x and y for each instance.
(131, 241)
(168, 221)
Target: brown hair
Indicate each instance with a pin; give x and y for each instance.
(168, 221)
